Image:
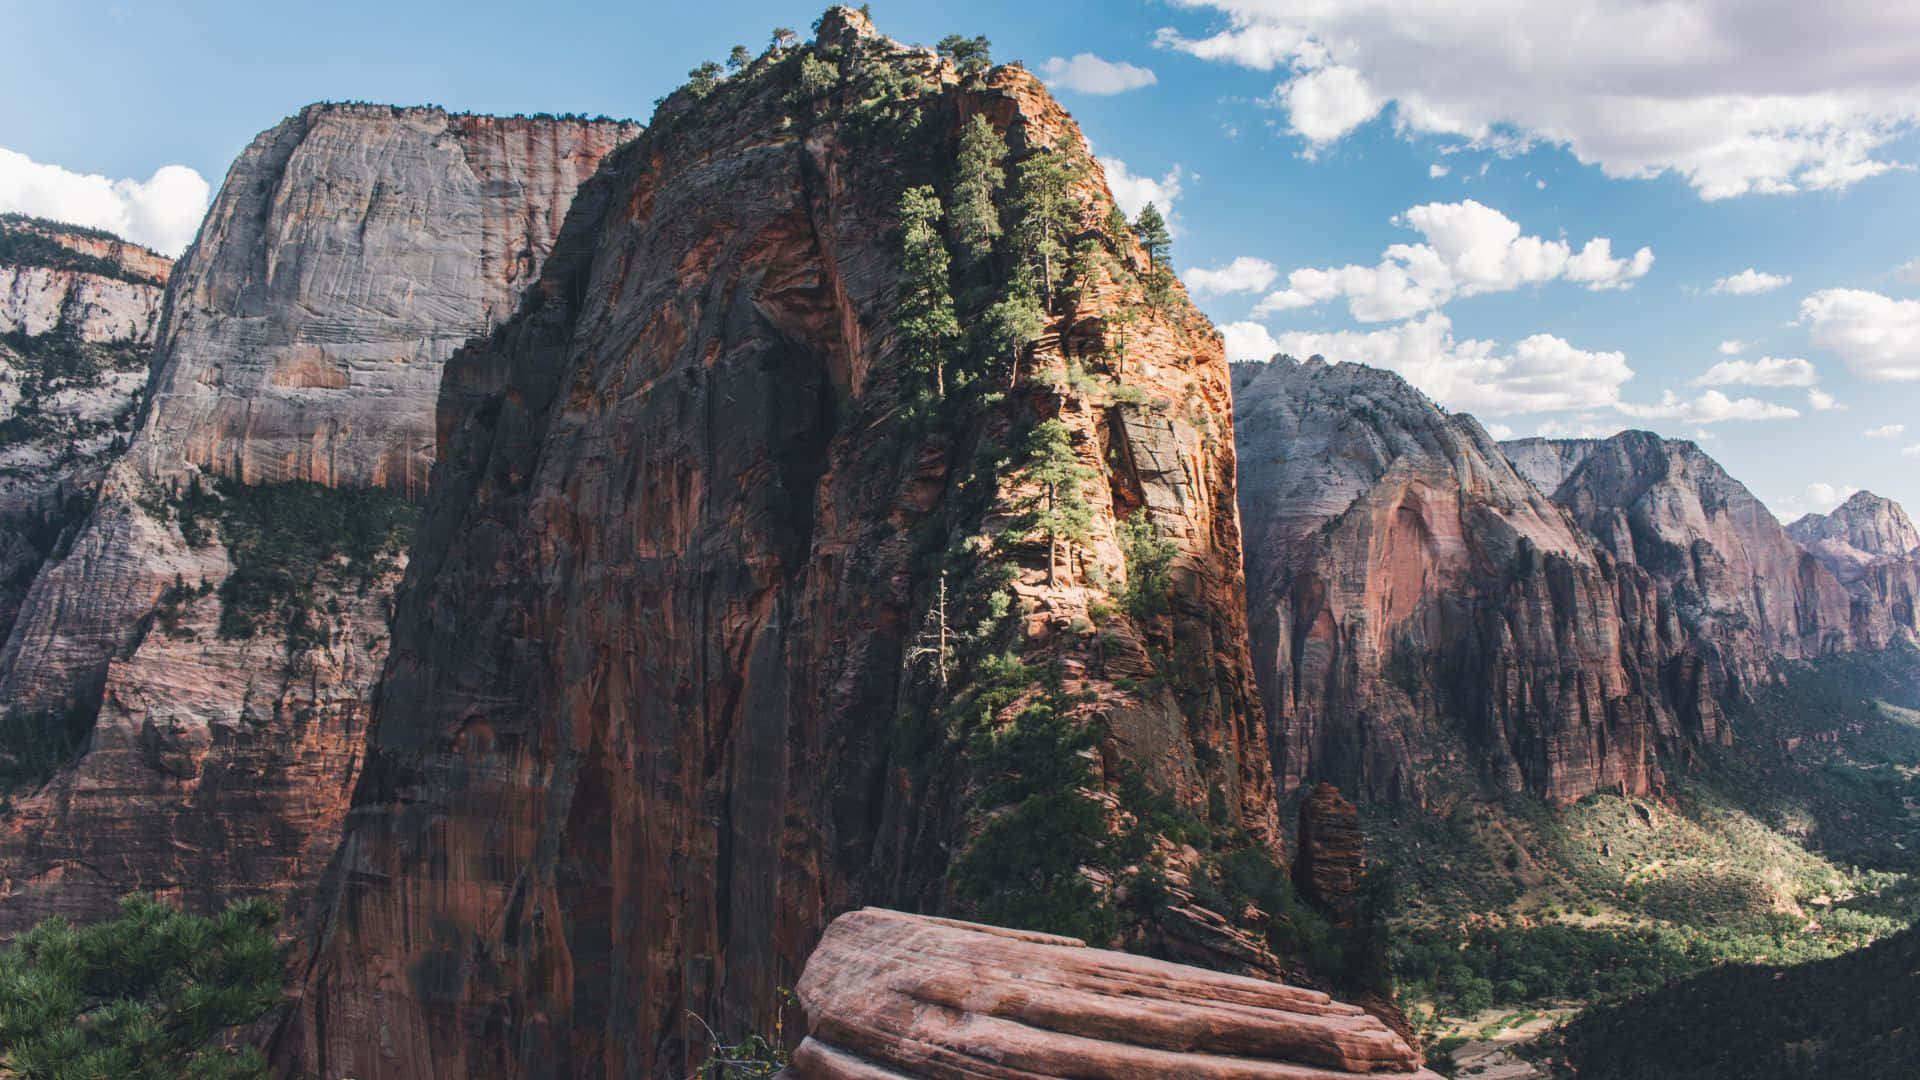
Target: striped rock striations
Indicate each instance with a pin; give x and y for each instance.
(663, 695)
(1420, 613)
(890, 995)
(214, 646)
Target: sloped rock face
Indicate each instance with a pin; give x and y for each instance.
(1331, 854)
(892, 995)
(1744, 592)
(1420, 614)
(77, 311)
(351, 249)
(652, 713)
(1865, 524)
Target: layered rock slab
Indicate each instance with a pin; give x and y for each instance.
(351, 249)
(1420, 614)
(647, 720)
(888, 994)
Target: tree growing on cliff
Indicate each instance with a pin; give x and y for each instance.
(972, 56)
(703, 79)
(1149, 567)
(1059, 511)
(928, 326)
(978, 177)
(784, 37)
(1047, 213)
(154, 993)
(739, 58)
(1150, 228)
(1009, 324)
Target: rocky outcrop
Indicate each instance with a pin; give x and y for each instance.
(224, 639)
(1744, 592)
(90, 285)
(1422, 615)
(77, 314)
(1860, 531)
(1331, 854)
(894, 995)
(671, 680)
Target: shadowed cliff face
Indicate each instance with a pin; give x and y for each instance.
(652, 715)
(1420, 614)
(1872, 547)
(351, 249)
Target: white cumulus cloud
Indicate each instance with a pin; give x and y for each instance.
(1470, 249)
(1436, 171)
(1132, 192)
(1734, 347)
(1736, 96)
(1911, 451)
(1248, 341)
(1711, 407)
(1885, 431)
(1539, 373)
(1578, 427)
(1908, 271)
(1878, 336)
(1815, 498)
(163, 212)
(1766, 371)
(1749, 281)
(1245, 274)
(1089, 74)
(1821, 401)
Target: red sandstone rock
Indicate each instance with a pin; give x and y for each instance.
(889, 994)
(1331, 854)
(644, 722)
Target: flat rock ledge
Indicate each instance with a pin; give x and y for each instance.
(891, 995)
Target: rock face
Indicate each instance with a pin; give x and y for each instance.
(1420, 613)
(89, 284)
(1744, 592)
(77, 315)
(351, 249)
(654, 710)
(1859, 531)
(1331, 854)
(894, 995)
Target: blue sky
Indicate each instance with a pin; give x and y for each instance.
(1288, 134)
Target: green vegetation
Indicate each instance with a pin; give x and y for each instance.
(286, 541)
(1150, 228)
(1149, 567)
(754, 1057)
(928, 328)
(156, 993)
(36, 744)
(1059, 510)
(53, 362)
(978, 177)
(971, 55)
(24, 241)
(1850, 1016)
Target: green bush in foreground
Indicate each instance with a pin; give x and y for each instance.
(154, 993)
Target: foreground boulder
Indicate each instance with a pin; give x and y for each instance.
(891, 995)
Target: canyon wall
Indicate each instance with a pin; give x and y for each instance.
(77, 315)
(671, 682)
(1422, 617)
(211, 632)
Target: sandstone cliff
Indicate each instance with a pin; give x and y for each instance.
(1744, 592)
(1864, 528)
(1420, 613)
(734, 604)
(77, 315)
(893, 995)
(210, 635)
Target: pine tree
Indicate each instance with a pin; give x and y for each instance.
(1009, 324)
(978, 178)
(1045, 208)
(928, 327)
(935, 641)
(1119, 232)
(703, 79)
(971, 55)
(784, 38)
(1060, 511)
(739, 58)
(1151, 230)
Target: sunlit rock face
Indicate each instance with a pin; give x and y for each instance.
(351, 249)
(889, 995)
(1421, 615)
(651, 717)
